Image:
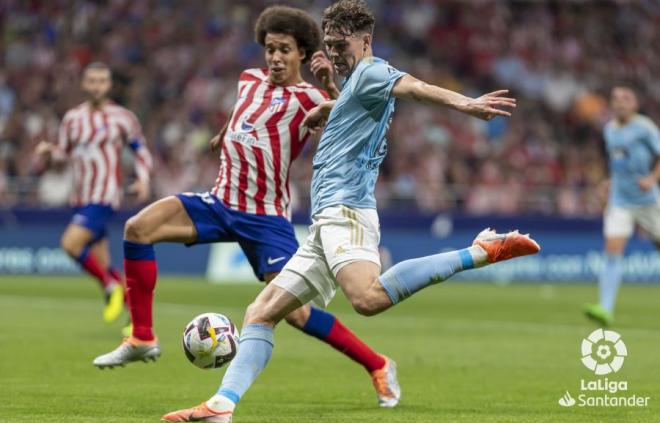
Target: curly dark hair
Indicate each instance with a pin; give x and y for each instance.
(291, 21)
(348, 17)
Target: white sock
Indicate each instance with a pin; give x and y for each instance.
(220, 403)
(479, 255)
(110, 287)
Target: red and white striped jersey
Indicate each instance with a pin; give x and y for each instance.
(265, 134)
(92, 139)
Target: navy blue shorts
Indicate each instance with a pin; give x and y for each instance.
(94, 217)
(267, 241)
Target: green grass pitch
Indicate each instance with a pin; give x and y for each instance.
(466, 352)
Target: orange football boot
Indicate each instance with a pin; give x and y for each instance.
(500, 247)
(200, 413)
(386, 384)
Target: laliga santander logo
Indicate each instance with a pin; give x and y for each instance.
(603, 352)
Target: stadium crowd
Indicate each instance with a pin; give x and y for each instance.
(176, 65)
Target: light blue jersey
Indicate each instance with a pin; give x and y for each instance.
(353, 144)
(633, 149)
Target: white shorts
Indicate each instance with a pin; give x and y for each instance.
(619, 222)
(338, 236)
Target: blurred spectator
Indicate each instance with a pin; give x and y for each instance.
(176, 65)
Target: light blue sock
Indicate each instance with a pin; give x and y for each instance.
(405, 278)
(610, 279)
(253, 354)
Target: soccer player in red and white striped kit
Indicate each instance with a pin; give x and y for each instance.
(250, 201)
(91, 138)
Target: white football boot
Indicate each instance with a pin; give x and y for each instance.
(131, 349)
(386, 384)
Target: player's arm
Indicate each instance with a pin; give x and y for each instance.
(649, 181)
(48, 153)
(143, 161)
(323, 71)
(485, 107)
(43, 155)
(603, 187)
(216, 142)
(318, 116)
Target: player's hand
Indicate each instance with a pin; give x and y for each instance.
(44, 148)
(141, 189)
(489, 105)
(43, 156)
(216, 143)
(323, 71)
(318, 117)
(646, 183)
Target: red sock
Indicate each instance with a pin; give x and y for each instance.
(344, 340)
(140, 285)
(329, 329)
(91, 265)
(116, 274)
(141, 272)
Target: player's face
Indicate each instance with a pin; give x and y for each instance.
(624, 102)
(283, 58)
(345, 51)
(96, 84)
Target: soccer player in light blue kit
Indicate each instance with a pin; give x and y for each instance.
(342, 248)
(633, 147)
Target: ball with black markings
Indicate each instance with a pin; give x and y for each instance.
(210, 341)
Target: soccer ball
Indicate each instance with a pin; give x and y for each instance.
(210, 341)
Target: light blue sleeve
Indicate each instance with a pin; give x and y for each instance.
(375, 84)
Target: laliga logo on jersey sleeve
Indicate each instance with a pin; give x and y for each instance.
(603, 352)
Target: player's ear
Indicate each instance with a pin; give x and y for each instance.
(366, 41)
(303, 55)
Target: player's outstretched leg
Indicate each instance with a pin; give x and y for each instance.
(327, 328)
(165, 220)
(609, 280)
(410, 276)
(608, 287)
(114, 291)
(271, 306)
(141, 271)
(78, 242)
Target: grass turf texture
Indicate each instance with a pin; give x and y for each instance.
(466, 353)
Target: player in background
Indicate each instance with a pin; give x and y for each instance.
(91, 137)
(633, 146)
(250, 201)
(342, 248)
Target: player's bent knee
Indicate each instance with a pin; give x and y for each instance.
(135, 231)
(257, 313)
(363, 306)
(70, 246)
(66, 246)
